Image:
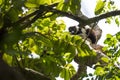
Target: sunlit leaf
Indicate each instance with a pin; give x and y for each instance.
(99, 7)
(43, 1)
(117, 21)
(36, 3)
(108, 20)
(1, 2)
(56, 1)
(31, 5)
(8, 58)
(118, 36)
(111, 40)
(40, 37)
(67, 72)
(81, 53)
(107, 41)
(105, 59)
(60, 6)
(99, 71)
(62, 73)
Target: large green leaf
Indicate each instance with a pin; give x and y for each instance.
(67, 72)
(63, 6)
(99, 71)
(8, 58)
(1, 2)
(36, 3)
(31, 5)
(105, 59)
(99, 7)
(44, 1)
(56, 1)
(111, 40)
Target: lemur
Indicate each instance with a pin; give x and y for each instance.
(92, 34)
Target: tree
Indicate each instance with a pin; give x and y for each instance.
(29, 28)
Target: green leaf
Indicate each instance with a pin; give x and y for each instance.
(75, 6)
(13, 14)
(81, 52)
(44, 2)
(62, 73)
(69, 57)
(99, 71)
(60, 6)
(108, 39)
(36, 3)
(40, 37)
(117, 21)
(65, 7)
(1, 2)
(30, 5)
(45, 40)
(105, 59)
(111, 40)
(109, 36)
(108, 20)
(56, 1)
(8, 59)
(67, 75)
(67, 72)
(99, 7)
(118, 36)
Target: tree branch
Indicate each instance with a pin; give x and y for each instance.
(103, 16)
(81, 70)
(83, 20)
(90, 20)
(31, 74)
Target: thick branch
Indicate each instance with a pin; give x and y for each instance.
(79, 19)
(89, 20)
(83, 20)
(81, 70)
(31, 74)
(103, 16)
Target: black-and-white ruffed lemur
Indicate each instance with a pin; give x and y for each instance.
(92, 34)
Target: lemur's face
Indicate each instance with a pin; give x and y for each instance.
(73, 30)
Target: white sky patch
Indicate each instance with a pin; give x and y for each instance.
(68, 22)
(88, 7)
(117, 3)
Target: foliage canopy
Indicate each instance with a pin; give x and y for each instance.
(32, 38)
